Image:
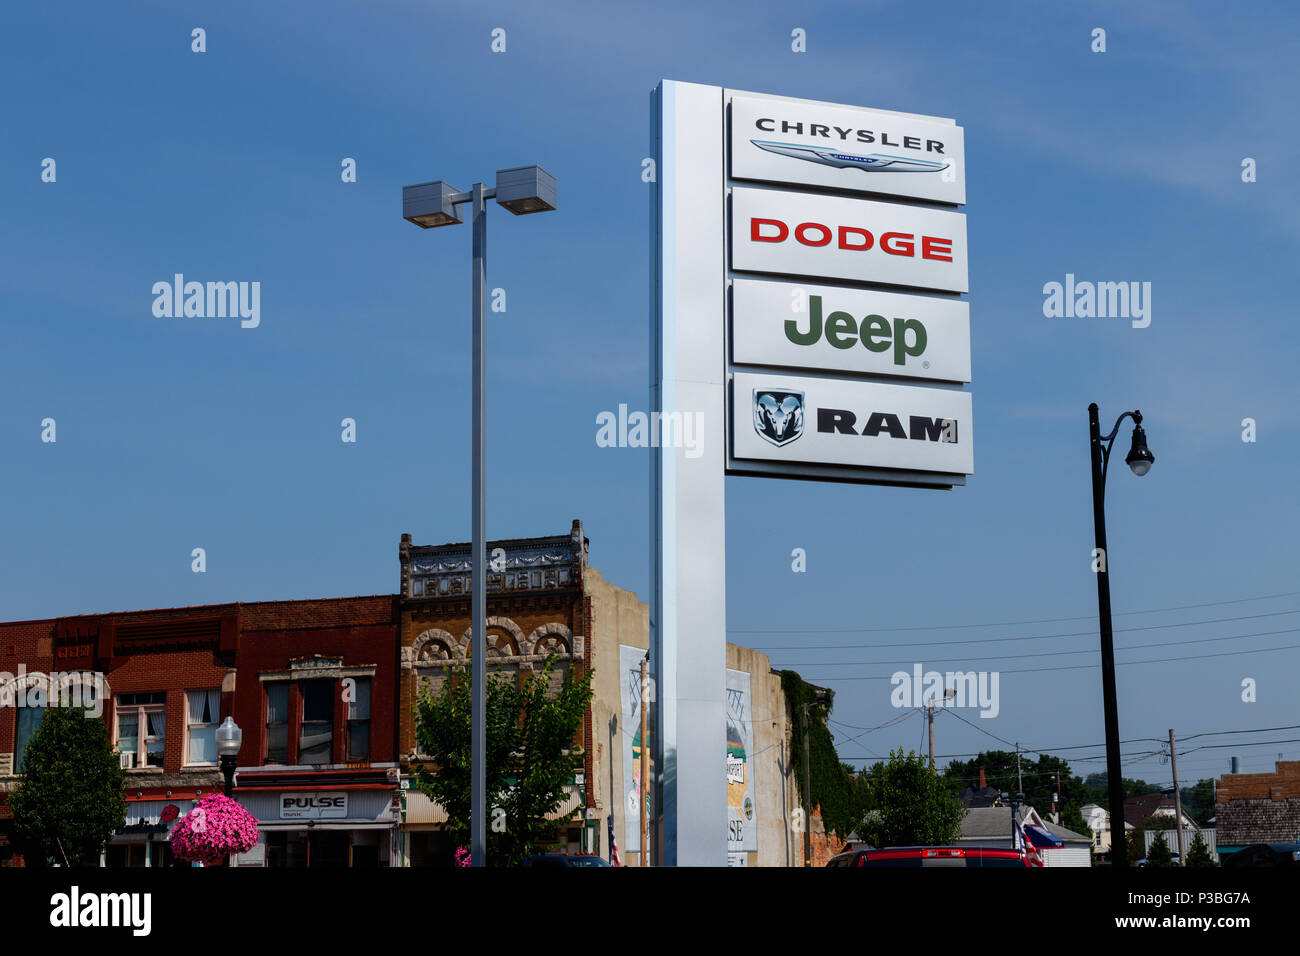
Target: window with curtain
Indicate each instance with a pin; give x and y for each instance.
(316, 735)
(277, 723)
(203, 714)
(29, 719)
(141, 728)
(359, 721)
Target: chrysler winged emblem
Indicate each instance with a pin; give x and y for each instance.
(872, 163)
(778, 415)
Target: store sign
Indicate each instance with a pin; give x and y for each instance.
(840, 329)
(845, 148)
(313, 806)
(834, 237)
(777, 417)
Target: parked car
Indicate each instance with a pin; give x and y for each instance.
(968, 856)
(565, 859)
(1266, 854)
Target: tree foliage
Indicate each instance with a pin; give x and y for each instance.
(912, 804)
(1198, 801)
(1160, 854)
(1198, 854)
(531, 755)
(70, 799)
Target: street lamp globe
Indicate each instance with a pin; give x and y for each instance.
(229, 738)
(1139, 457)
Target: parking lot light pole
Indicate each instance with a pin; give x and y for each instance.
(522, 190)
(1139, 459)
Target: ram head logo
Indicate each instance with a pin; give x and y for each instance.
(778, 415)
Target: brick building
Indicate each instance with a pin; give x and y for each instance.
(316, 703)
(537, 605)
(167, 676)
(316, 697)
(1258, 807)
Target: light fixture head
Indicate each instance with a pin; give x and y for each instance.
(229, 738)
(525, 189)
(429, 204)
(1139, 457)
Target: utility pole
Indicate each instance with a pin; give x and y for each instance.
(645, 762)
(1020, 778)
(807, 794)
(930, 710)
(1178, 800)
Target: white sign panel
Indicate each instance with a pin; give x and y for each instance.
(840, 329)
(785, 418)
(831, 237)
(313, 806)
(807, 143)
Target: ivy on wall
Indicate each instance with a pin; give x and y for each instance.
(843, 801)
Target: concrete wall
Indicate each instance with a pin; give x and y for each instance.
(776, 783)
(620, 618)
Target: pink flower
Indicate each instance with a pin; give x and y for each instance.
(217, 827)
(463, 856)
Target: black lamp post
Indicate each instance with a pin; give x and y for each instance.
(1139, 459)
(229, 738)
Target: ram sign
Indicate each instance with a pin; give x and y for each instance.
(797, 142)
(856, 424)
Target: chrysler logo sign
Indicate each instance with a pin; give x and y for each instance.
(874, 163)
(825, 145)
(778, 415)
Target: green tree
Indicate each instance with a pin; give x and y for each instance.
(1072, 819)
(1160, 854)
(1039, 776)
(1198, 801)
(1199, 854)
(70, 798)
(913, 806)
(531, 755)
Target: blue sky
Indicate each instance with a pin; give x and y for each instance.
(175, 434)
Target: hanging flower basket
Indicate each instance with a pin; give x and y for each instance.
(217, 827)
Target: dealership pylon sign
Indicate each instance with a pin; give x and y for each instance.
(809, 260)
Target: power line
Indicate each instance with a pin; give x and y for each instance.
(1259, 730)
(1026, 637)
(1076, 667)
(1045, 620)
(1086, 650)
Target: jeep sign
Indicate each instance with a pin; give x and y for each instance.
(839, 329)
(780, 140)
(831, 237)
(857, 424)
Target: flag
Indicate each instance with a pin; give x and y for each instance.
(614, 858)
(1032, 839)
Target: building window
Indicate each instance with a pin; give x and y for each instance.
(141, 726)
(359, 721)
(277, 723)
(316, 734)
(203, 714)
(29, 719)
